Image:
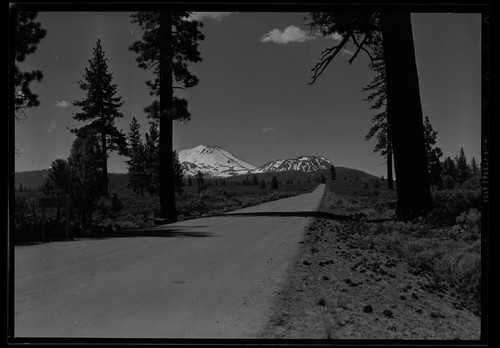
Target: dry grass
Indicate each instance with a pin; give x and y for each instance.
(382, 280)
(446, 250)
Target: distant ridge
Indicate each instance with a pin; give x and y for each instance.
(36, 178)
(214, 161)
(31, 178)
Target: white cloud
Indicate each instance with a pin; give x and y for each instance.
(62, 104)
(218, 16)
(346, 52)
(336, 36)
(267, 129)
(289, 34)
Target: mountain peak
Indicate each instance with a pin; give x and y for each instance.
(213, 161)
(304, 163)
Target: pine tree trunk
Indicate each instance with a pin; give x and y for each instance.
(167, 191)
(104, 157)
(390, 180)
(405, 117)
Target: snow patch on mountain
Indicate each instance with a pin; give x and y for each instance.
(305, 164)
(212, 161)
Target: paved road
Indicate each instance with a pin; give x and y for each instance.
(213, 277)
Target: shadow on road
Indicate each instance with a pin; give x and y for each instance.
(320, 214)
(162, 232)
(295, 214)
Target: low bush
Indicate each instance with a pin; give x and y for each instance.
(452, 263)
(451, 203)
(467, 227)
(137, 212)
(445, 246)
(460, 266)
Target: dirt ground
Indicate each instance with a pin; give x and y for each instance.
(340, 289)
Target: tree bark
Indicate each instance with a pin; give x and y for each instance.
(167, 191)
(390, 179)
(405, 117)
(104, 156)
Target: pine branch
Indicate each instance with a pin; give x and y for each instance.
(360, 46)
(327, 57)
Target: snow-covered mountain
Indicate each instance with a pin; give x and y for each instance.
(305, 164)
(212, 161)
(216, 162)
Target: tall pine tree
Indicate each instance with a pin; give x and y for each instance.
(169, 42)
(28, 34)
(403, 95)
(474, 166)
(59, 182)
(153, 158)
(138, 173)
(463, 170)
(449, 168)
(87, 181)
(101, 105)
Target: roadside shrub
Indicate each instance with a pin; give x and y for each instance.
(248, 201)
(444, 247)
(451, 203)
(421, 254)
(460, 266)
(453, 263)
(468, 227)
(136, 212)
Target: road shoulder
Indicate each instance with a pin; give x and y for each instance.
(340, 288)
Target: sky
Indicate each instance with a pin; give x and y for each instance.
(253, 98)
